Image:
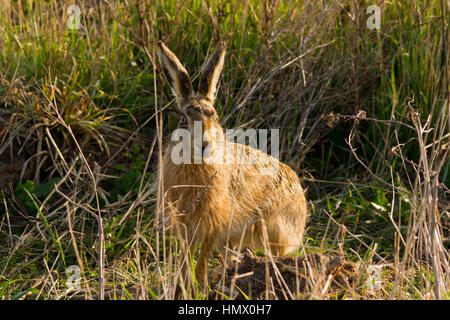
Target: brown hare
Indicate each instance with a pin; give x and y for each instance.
(218, 202)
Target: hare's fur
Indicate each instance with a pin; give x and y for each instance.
(238, 204)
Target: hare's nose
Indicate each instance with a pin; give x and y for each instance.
(204, 146)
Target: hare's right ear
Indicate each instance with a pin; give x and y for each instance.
(210, 75)
(175, 74)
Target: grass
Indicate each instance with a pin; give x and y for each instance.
(363, 117)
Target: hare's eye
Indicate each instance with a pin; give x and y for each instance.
(183, 119)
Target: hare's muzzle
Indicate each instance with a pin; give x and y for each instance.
(204, 150)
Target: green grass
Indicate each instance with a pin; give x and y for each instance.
(369, 175)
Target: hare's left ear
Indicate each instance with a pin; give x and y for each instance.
(210, 75)
(175, 74)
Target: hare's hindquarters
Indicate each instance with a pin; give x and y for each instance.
(287, 218)
(284, 213)
(269, 211)
(285, 228)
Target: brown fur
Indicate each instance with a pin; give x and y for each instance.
(230, 203)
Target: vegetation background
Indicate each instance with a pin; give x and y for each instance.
(363, 117)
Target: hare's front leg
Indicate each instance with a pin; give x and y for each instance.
(185, 284)
(201, 271)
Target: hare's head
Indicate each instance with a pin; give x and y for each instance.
(196, 107)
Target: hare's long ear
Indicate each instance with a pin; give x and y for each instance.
(211, 73)
(175, 74)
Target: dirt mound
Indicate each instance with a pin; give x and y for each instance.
(288, 277)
